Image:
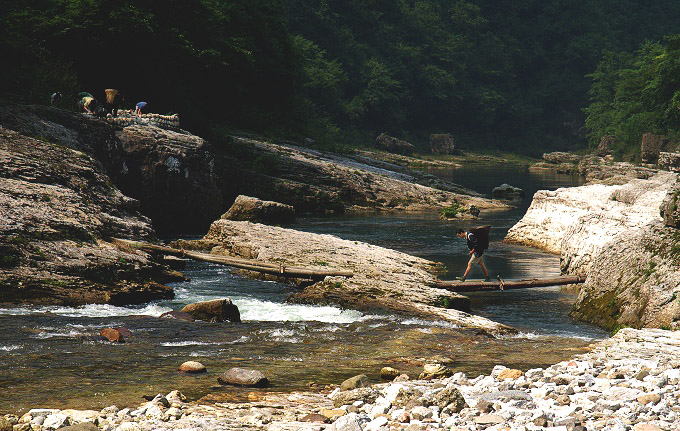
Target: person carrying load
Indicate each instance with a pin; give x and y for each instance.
(477, 242)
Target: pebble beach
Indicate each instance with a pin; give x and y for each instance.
(630, 381)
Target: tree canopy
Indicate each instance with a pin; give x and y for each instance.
(509, 75)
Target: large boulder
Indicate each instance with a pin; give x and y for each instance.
(651, 147)
(442, 143)
(360, 381)
(247, 208)
(393, 145)
(217, 310)
(243, 377)
(507, 192)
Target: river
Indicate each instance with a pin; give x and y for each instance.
(52, 356)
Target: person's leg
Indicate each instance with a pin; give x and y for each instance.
(486, 273)
(471, 262)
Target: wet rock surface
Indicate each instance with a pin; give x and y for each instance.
(630, 382)
(217, 310)
(383, 278)
(57, 210)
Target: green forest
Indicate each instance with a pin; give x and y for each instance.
(525, 76)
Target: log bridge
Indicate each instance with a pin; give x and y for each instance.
(500, 284)
(279, 270)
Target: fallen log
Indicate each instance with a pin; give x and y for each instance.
(472, 286)
(237, 262)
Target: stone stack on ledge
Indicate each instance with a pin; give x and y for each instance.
(128, 118)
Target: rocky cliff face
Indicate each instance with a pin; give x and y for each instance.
(57, 209)
(173, 176)
(171, 173)
(614, 235)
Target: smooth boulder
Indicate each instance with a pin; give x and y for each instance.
(247, 208)
(217, 310)
(243, 377)
(192, 367)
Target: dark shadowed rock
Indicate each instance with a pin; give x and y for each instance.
(393, 145)
(243, 377)
(178, 315)
(217, 310)
(442, 143)
(247, 208)
(314, 417)
(360, 381)
(507, 192)
(651, 147)
(172, 174)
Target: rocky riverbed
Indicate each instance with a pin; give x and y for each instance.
(628, 382)
(383, 278)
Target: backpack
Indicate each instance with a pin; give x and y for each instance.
(482, 234)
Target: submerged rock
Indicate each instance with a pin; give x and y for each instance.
(178, 315)
(508, 192)
(243, 377)
(247, 208)
(217, 310)
(115, 335)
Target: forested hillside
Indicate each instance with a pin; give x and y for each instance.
(495, 74)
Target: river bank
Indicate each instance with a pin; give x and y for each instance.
(621, 232)
(628, 382)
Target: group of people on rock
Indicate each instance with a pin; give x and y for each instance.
(87, 103)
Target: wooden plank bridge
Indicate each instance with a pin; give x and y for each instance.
(500, 284)
(237, 262)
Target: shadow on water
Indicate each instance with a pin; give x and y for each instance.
(53, 357)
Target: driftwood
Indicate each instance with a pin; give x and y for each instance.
(472, 286)
(248, 264)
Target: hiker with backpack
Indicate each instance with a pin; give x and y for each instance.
(477, 242)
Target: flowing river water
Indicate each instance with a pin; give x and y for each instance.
(53, 357)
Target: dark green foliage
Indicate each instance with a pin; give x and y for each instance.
(509, 75)
(635, 94)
